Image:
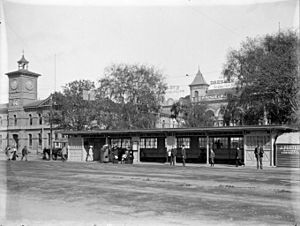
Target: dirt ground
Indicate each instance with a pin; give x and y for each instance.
(66, 193)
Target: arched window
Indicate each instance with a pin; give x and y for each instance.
(30, 140)
(15, 120)
(196, 96)
(30, 119)
(40, 139)
(40, 119)
(49, 139)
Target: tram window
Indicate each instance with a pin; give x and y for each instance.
(202, 142)
(183, 140)
(148, 142)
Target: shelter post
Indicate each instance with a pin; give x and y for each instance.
(207, 149)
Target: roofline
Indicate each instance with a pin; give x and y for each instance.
(23, 72)
(183, 130)
(39, 104)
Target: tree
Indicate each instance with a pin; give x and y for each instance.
(192, 114)
(72, 112)
(136, 91)
(267, 73)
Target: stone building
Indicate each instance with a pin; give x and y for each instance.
(213, 94)
(23, 120)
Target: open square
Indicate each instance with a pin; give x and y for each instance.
(69, 193)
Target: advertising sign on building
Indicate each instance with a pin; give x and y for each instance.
(222, 84)
(288, 155)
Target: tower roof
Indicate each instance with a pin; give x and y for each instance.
(23, 60)
(22, 69)
(199, 79)
(23, 63)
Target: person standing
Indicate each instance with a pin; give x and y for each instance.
(173, 156)
(169, 155)
(183, 154)
(259, 154)
(114, 154)
(90, 154)
(212, 156)
(64, 153)
(238, 157)
(13, 154)
(24, 153)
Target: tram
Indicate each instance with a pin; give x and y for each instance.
(150, 145)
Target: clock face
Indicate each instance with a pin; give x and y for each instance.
(14, 84)
(29, 85)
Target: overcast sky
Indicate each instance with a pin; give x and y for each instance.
(175, 36)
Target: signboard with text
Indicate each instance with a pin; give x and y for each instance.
(288, 155)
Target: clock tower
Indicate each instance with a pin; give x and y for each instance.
(22, 85)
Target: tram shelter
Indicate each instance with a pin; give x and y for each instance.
(151, 144)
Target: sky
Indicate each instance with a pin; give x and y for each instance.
(71, 40)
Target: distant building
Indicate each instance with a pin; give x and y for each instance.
(213, 94)
(24, 120)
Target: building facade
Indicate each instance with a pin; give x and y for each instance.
(214, 95)
(24, 120)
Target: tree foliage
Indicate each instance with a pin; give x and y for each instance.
(71, 111)
(267, 73)
(136, 92)
(191, 114)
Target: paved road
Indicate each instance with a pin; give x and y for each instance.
(57, 193)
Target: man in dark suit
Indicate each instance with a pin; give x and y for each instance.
(238, 158)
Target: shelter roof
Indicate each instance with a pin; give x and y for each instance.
(200, 130)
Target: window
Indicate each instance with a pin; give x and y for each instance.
(121, 142)
(219, 142)
(30, 140)
(148, 142)
(49, 139)
(30, 119)
(183, 140)
(40, 139)
(40, 119)
(15, 120)
(202, 142)
(252, 141)
(237, 142)
(0, 121)
(0, 141)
